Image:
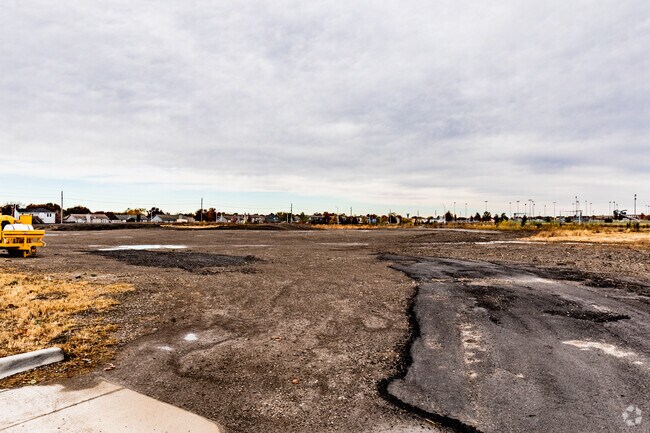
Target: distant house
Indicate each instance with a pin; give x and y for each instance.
(272, 218)
(222, 218)
(256, 219)
(126, 218)
(164, 219)
(169, 219)
(91, 218)
(45, 216)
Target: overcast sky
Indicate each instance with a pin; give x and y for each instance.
(376, 105)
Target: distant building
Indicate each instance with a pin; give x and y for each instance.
(170, 219)
(91, 218)
(126, 218)
(41, 215)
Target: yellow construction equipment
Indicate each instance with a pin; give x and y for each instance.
(18, 237)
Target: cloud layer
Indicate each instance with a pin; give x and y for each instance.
(380, 103)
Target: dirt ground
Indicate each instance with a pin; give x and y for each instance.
(285, 331)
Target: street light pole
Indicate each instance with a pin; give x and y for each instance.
(634, 205)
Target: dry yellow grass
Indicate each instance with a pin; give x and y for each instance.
(40, 311)
(605, 236)
(356, 226)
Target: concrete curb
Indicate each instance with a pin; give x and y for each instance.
(10, 365)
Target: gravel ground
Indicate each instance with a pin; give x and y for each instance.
(285, 331)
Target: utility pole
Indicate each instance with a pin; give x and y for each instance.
(454, 210)
(517, 207)
(510, 212)
(201, 213)
(291, 213)
(466, 216)
(486, 205)
(554, 210)
(61, 207)
(634, 205)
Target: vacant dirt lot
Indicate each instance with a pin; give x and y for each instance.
(285, 331)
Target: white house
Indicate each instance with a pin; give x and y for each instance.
(45, 215)
(172, 219)
(91, 218)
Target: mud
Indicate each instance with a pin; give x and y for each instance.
(188, 261)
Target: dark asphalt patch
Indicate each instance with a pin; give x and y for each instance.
(186, 260)
(489, 351)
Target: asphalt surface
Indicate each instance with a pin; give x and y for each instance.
(501, 348)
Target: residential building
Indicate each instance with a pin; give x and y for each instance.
(41, 215)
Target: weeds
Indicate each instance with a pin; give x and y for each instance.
(41, 311)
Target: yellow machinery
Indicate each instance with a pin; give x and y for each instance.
(18, 236)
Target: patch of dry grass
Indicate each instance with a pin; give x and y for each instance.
(38, 311)
(612, 236)
(357, 226)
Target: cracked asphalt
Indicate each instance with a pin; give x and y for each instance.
(501, 348)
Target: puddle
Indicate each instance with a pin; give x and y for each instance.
(143, 247)
(345, 244)
(608, 349)
(190, 337)
(508, 242)
(251, 245)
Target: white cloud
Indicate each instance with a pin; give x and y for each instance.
(392, 102)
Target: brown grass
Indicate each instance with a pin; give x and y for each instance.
(612, 236)
(356, 226)
(38, 311)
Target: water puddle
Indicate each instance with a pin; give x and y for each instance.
(143, 247)
(190, 337)
(608, 349)
(345, 244)
(509, 242)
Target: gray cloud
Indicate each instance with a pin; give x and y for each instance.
(411, 103)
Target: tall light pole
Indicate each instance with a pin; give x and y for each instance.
(634, 205)
(609, 208)
(510, 212)
(517, 207)
(466, 216)
(454, 210)
(485, 205)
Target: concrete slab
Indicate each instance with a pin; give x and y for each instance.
(105, 408)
